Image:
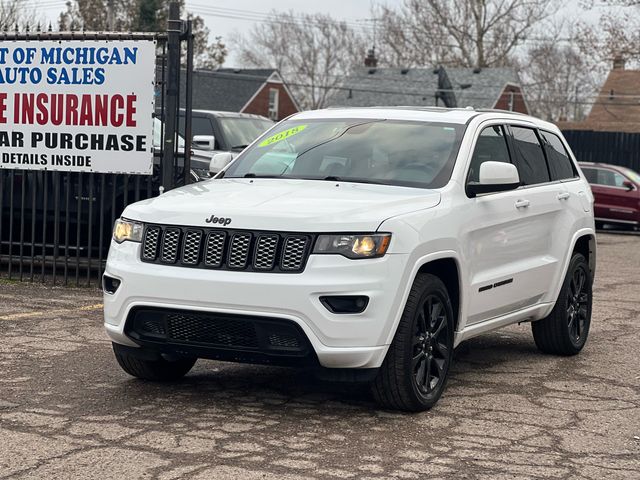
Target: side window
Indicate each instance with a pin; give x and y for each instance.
(203, 126)
(610, 178)
(529, 158)
(490, 146)
(560, 164)
(591, 175)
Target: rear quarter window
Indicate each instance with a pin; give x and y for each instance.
(560, 165)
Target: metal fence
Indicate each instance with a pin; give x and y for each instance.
(56, 226)
(617, 148)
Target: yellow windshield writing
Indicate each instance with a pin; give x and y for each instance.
(278, 137)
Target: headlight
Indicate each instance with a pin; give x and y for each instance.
(354, 246)
(127, 230)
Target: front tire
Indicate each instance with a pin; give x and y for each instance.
(415, 370)
(565, 330)
(158, 369)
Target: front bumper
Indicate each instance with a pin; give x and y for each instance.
(338, 340)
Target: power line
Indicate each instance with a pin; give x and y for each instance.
(265, 18)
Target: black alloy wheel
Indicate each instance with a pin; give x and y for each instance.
(577, 304)
(565, 330)
(414, 372)
(430, 345)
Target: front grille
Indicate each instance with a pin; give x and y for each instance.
(215, 331)
(191, 328)
(229, 250)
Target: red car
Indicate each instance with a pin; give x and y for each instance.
(617, 193)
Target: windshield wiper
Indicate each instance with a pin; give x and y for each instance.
(332, 178)
(239, 147)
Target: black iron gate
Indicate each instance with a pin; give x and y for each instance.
(56, 226)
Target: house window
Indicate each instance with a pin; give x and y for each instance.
(273, 103)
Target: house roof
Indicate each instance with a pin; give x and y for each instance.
(226, 89)
(480, 88)
(463, 87)
(366, 87)
(619, 100)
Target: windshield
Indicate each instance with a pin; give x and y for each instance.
(158, 132)
(415, 154)
(240, 132)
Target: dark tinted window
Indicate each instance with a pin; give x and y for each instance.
(491, 146)
(529, 156)
(560, 164)
(199, 126)
(591, 175)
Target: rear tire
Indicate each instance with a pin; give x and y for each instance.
(158, 370)
(415, 370)
(565, 330)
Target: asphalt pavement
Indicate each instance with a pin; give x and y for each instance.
(67, 411)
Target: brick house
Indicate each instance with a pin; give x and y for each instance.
(259, 91)
(617, 107)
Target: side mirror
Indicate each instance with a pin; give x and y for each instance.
(495, 177)
(204, 142)
(219, 161)
(628, 185)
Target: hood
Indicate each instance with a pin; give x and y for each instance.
(283, 205)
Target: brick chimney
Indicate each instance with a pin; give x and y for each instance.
(371, 60)
(619, 62)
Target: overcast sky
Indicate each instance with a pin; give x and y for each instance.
(352, 11)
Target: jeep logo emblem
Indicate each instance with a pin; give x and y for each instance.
(218, 220)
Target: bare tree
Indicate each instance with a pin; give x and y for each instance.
(313, 53)
(17, 13)
(558, 79)
(616, 35)
(471, 33)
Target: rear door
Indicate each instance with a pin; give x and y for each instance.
(548, 227)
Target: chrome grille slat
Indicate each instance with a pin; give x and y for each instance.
(150, 250)
(294, 252)
(191, 247)
(265, 254)
(214, 249)
(238, 250)
(170, 244)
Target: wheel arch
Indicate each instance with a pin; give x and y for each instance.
(447, 270)
(584, 242)
(586, 245)
(445, 264)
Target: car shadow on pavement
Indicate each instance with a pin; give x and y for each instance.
(223, 383)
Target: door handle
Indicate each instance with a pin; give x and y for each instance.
(522, 203)
(563, 196)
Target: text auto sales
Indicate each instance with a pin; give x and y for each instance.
(73, 110)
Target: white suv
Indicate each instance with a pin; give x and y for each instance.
(367, 243)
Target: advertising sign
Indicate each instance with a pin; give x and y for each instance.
(81, 106)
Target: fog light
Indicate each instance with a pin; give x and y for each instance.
(345, 303)
(110, 284)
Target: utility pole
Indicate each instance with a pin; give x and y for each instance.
(110, 15)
